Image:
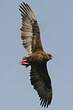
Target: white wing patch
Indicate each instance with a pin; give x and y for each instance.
(27, 41)
(28, 18)
(27, 35)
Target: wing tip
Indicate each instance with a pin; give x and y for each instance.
(45, 103)
(24, 5)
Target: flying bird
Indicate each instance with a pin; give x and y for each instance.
(37, 58)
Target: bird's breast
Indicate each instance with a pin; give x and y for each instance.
(38, 57)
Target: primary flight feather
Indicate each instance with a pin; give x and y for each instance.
(37, 58)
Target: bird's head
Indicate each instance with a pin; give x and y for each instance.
(49, 56)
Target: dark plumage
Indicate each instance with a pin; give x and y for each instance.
(37, 58)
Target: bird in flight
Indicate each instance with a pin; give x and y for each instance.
(37, 58)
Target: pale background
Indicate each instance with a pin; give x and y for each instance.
(55, 19)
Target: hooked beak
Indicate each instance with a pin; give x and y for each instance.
(50, 57)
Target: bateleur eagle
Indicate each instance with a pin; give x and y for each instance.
(37, 58)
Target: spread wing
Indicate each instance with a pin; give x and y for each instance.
(30, 33)
(41, 83)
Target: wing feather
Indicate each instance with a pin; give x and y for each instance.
(41, 83)
(30, 33)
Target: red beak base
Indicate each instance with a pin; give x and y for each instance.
(24, 62)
